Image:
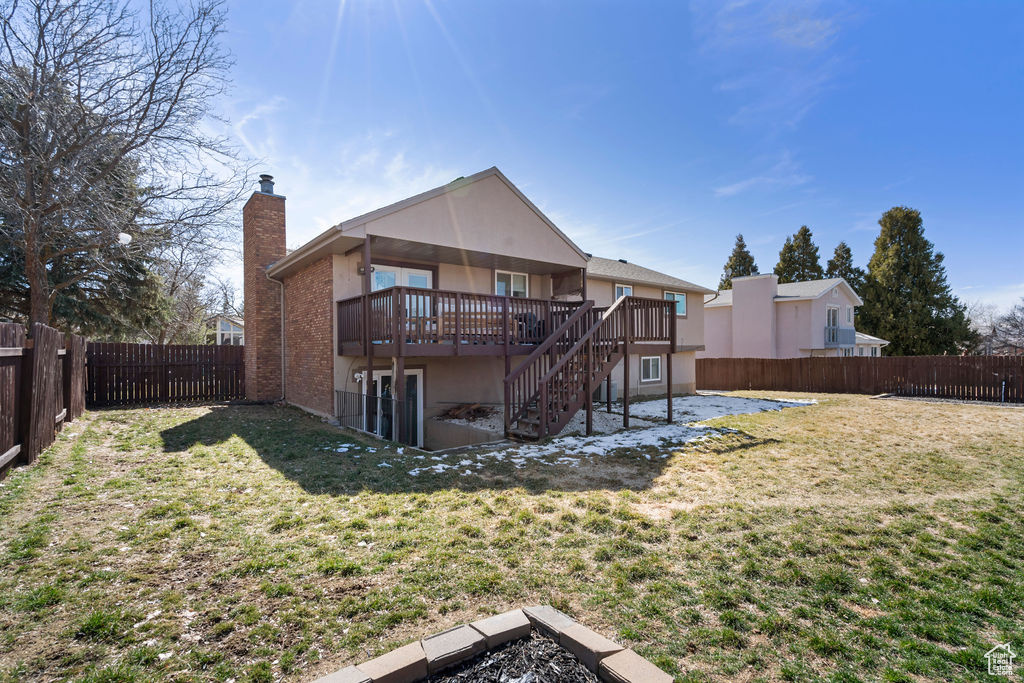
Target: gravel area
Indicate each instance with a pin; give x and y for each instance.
(535, 659)
(604, 423)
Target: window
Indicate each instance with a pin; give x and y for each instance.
(849, 314)
(874, 350)
(650, 369)
(511, 284)
(229, 334)
(847, 352)
(680, 299)
(860, 350)
(623, 290)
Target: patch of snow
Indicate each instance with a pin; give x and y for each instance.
(689, 412)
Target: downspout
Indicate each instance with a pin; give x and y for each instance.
(280, 283)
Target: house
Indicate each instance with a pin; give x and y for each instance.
(759, 318)
(226, 329)
(609, 279)
(868, 345)
(464, 294)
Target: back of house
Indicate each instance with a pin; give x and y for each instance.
(465, 294)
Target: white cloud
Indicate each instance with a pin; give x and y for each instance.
(772, 57)
(1003, 297)
(784, 173)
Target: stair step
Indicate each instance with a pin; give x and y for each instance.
(530, 421)
(523, 434)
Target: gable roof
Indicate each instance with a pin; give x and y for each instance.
(792, 291)
(355, 228)
(623, 271)
(863, 338)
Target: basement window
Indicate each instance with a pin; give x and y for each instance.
(650, 369)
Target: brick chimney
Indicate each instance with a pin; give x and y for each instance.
(263, 243)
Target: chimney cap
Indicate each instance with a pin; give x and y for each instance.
(266, 183)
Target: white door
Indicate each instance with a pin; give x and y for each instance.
(380, 414)
(393, 276)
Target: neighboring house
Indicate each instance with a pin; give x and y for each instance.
(759, 318)
(226, 330)
(868, 345)
(608, 279)
(472, 295)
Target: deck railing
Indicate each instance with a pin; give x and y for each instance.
(433, 316)
(836, 336)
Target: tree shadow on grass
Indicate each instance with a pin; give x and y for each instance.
(306, 450)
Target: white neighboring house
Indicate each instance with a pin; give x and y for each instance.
(868, 345)
(228, 330)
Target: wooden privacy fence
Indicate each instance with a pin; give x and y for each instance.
(131, 374)
(42, 386)
(977, 378)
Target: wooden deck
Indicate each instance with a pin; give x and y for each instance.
(407, 322)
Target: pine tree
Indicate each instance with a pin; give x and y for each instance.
(798, 260)
(907, 299)
(740, 264)
(841, 265)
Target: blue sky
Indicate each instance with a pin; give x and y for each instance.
(654, 131)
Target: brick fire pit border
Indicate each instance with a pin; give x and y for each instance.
(416, 661)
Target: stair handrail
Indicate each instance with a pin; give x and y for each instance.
(542, 349)
(550, 341)
(582, 340)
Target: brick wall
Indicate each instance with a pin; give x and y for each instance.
(308, 320)
(263, 242)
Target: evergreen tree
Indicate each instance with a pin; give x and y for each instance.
(841, 265)
(907, 299)
(740, 264)
(798, 260)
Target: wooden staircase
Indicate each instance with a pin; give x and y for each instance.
(558, 379)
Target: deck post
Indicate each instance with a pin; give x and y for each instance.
(608, 393)
(589, 387)
(627, 333)
(368, 389)
(583, 292)
(506, 323)
(398, 406)
(668, 359)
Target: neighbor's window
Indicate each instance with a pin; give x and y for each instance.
(229, 334)
(511, 284)
(860, 350)
(623, 290)
(849, 314)
(680, 299)
(874, 350)
(650, 368)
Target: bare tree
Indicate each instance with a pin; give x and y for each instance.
(982, 318)
(1009, 331)
(105, 149)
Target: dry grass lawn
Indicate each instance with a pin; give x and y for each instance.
(856, 539)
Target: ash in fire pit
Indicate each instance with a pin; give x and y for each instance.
(534, 659)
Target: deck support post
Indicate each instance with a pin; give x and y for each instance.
(399, 406)
(608, 393)
(589, 386)
(668, 360)
(368, 388)
(628, 332)
(583, 291)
